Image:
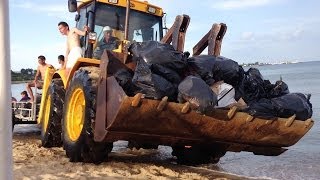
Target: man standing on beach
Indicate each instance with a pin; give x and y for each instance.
(40, 72)
(73, 51)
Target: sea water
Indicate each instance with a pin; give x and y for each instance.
(300, 161)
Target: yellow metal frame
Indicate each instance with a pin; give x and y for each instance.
(46, 82)
(81, 62)
(51, 73)
(46, 115)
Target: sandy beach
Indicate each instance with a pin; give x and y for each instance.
(31, 161)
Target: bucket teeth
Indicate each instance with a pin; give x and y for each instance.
(185, 108)
(308, 122)
(290, 120)
(162, 103)
(249, 118)
(136, 100)
(268, 122)
(232, 112)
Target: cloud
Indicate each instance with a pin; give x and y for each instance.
(292, 29)
(289, 34)
(54, 10)
(22, 4)
(286, 38)
(247, 36)
(240, 4)
(280, 30)
(297, 32)
(270, 37)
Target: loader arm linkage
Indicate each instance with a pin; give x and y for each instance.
(212, 40)
(176, 34)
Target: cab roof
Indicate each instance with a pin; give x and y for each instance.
(142, 6)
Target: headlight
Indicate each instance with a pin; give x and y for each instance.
(113, 1)
(151, 10)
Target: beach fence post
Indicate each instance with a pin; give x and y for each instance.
(5, 95)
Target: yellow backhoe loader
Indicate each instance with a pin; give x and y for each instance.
(87, 110)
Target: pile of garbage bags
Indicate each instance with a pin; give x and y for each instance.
(208, 82)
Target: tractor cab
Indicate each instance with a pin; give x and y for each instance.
(130, 21)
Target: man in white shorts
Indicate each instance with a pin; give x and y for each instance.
(74, 50)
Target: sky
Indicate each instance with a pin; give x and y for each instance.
(258, 30)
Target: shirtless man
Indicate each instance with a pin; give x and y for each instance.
(40, 72)
(61, 61)
(74, 50)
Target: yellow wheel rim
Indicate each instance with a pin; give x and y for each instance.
(46, 113)
(75, 116)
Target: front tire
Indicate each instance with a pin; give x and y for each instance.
(52, 116)
(79, 117)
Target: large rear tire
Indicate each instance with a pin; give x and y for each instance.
(52, 115)
(79, 117)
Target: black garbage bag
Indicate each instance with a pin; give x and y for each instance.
(152, 85)
(280, 88)
(154, 52)
(284, 107)
(252, 86)
(195, 91)
(227, 70)
(202, 66)
(263, 108)
(293, 103)
(212, 68)
(167, 73)
(124, 78)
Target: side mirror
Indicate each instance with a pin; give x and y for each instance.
(72, 5)
(165, 22)
(77, 17)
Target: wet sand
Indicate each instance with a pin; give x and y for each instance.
(31, 161)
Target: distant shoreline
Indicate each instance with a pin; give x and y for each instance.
(19, 82)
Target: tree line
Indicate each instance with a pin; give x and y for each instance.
(24, 75)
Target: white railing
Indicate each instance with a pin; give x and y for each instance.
(22, 112)
(25, 113)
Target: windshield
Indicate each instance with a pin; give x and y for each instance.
(142, 26)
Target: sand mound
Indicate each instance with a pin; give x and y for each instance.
(31, 161)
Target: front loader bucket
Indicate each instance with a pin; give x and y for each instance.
(120, 117)
(171, 123)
